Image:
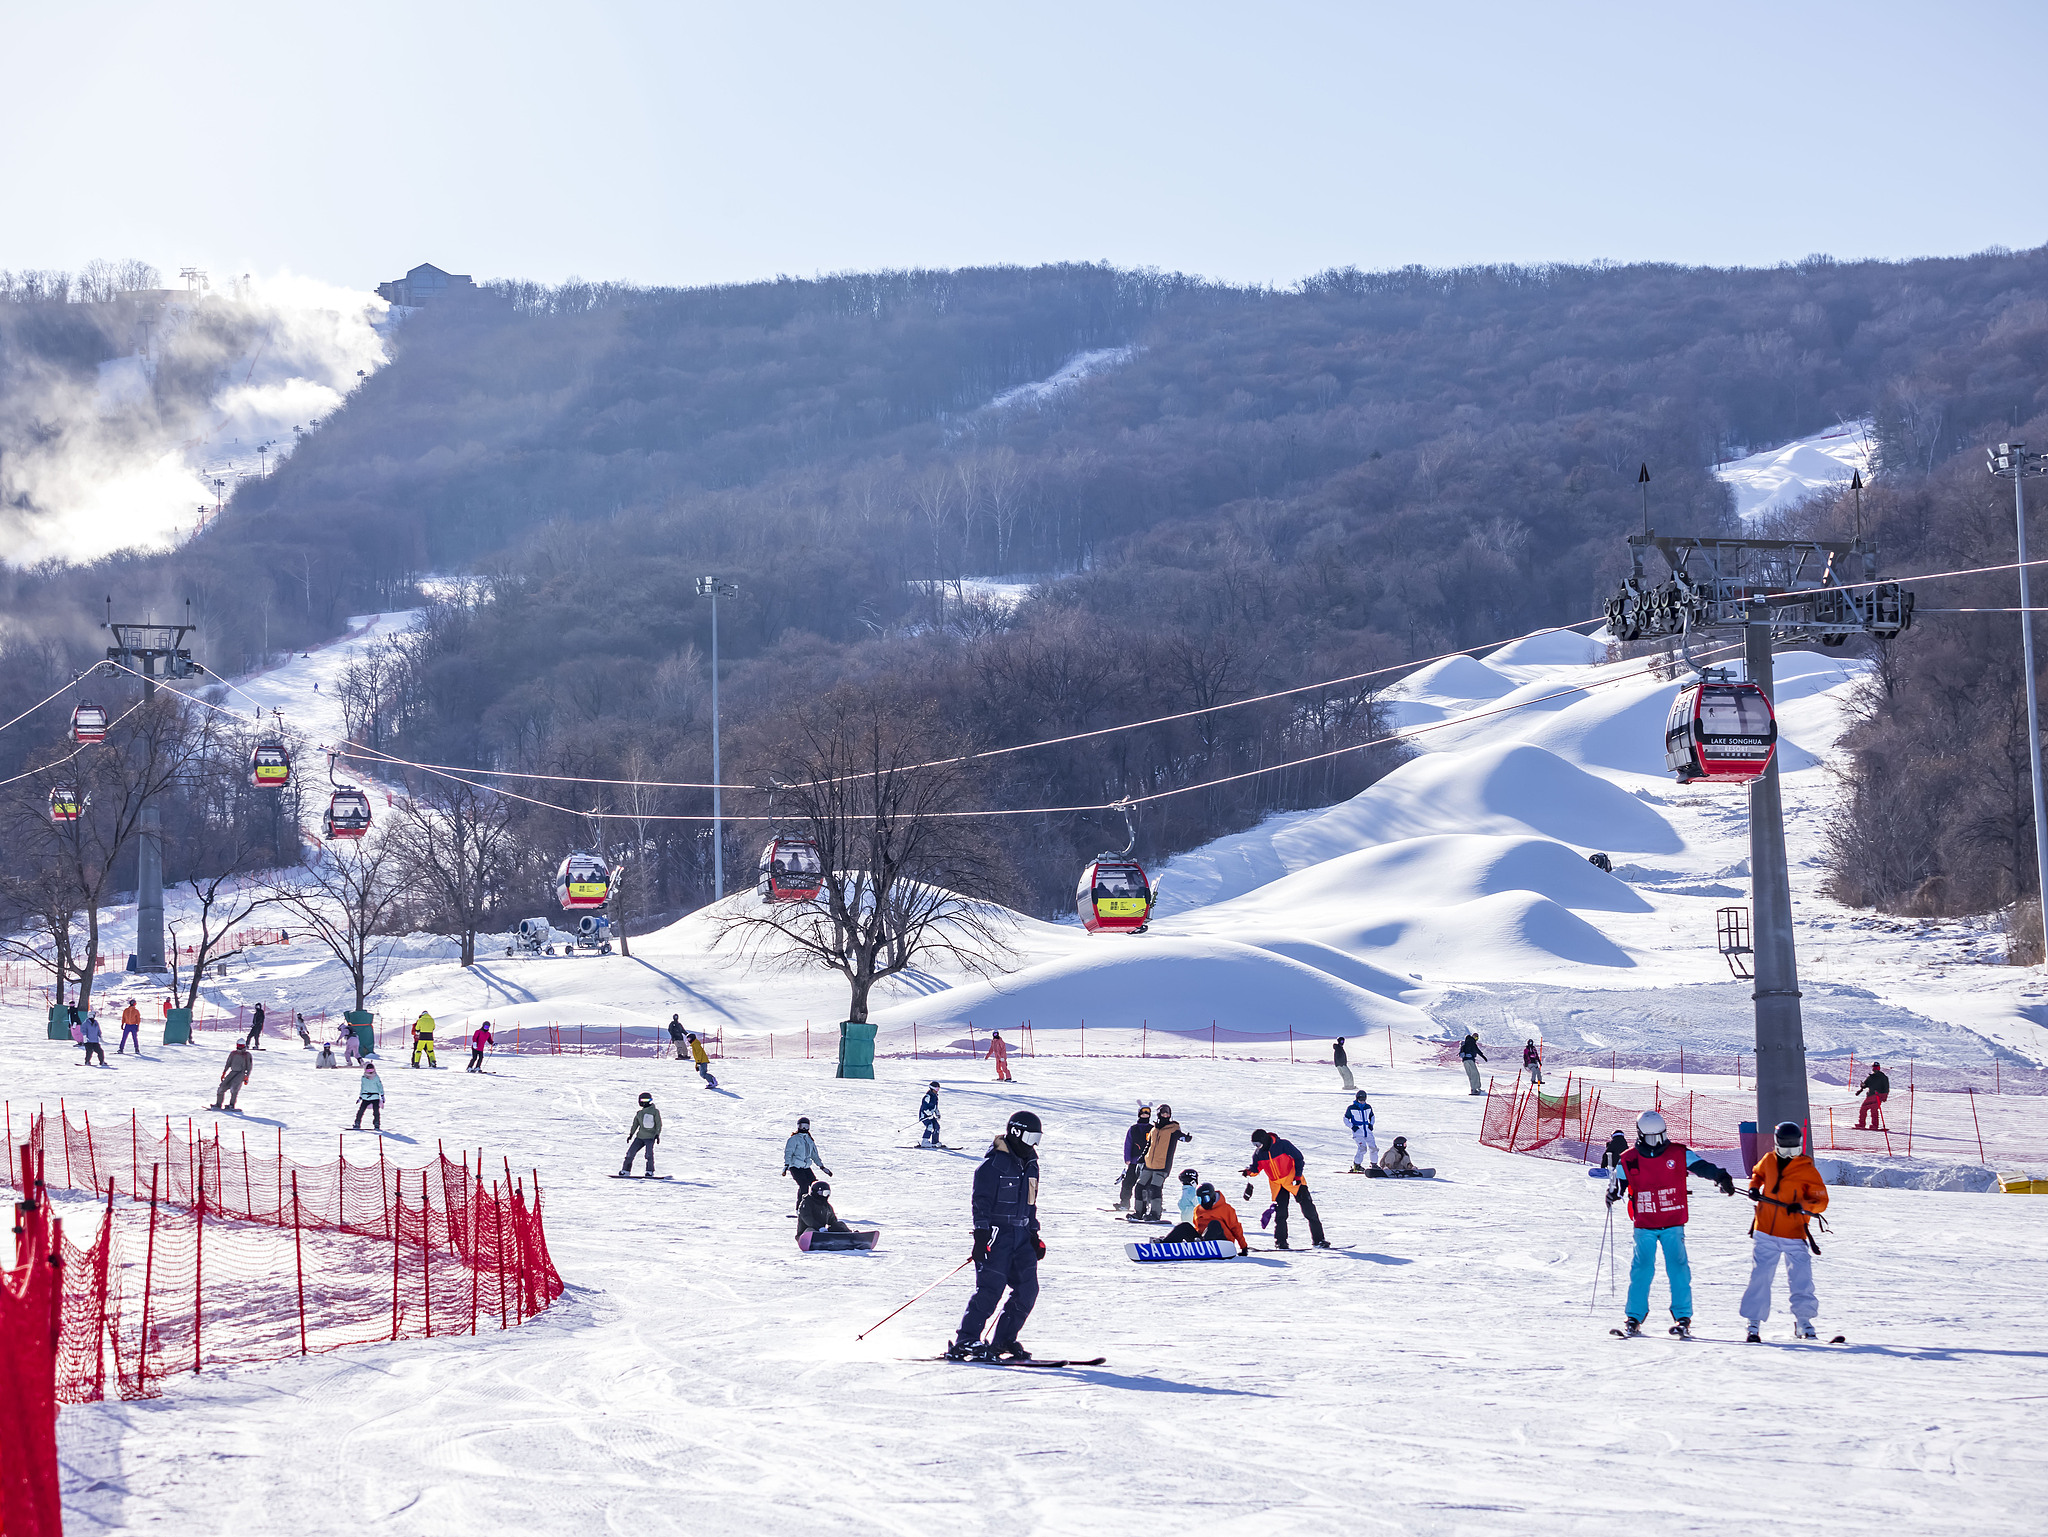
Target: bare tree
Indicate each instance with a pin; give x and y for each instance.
(904, 880)
(43, 905)
(348, 897)
(460, 850)
(225, 901)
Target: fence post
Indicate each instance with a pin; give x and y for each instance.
(134, 1152)
(299, 1258)
(1212, 1040)
(475, 1267)
(1681, 1067)
(64, 1126)
(1390, 1044)
(1144, 1038)
(1084, 1037)
(426, 1256)
(392, 1226)
(1979, 1125)
(1290, 1043)
(198, 1253)
(248, 1193)
(1909, 1112)
(148, 1274)
(498, 1256)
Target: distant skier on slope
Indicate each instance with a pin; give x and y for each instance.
(1875, 1089)
(1001, 1053)
(1007, 1247)
(479, 1038)
(1471, 1055)
(1653, 1177)
(1789, 1193)
(642, 1133)
(1286, 1176)
(1532, 1061)
(1135, 1139)
(928, 1115)
(131, 1029)
(1342, 1061)
(1213, 1217)
(800, 1157)
(1359, 1117)
(676, 1034)
(256, 1029)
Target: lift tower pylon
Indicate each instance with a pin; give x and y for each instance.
(137, 649)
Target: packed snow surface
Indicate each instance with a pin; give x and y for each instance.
(1779, 479)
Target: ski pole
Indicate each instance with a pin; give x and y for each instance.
(941, 1281)
(1599, 1254)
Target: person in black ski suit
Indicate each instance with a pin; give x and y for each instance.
(1007, 1247)
(675, 1033)
(256, 1029)
(1135, 1139)
(928, 1115)
(814, 1213)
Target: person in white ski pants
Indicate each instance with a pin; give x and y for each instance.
(1763, 1269)
(1359, 1117)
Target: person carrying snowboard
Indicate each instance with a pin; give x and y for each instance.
(1213, 1217)
(370, 1097)
(1875, 1089)
(1007, 1247)
(1150, 1191)
(676, 1034)
(1365, 1148)
(423, 1039)
(479, 1038)
(1342, 1060)
(814, 1213)
(1532, 1061)
(1471, 1055)
(644, 1132)
(1653, 1178)
(131, 1029)
(701, 1058)
(800, 1156)
(1789, 1193)
(1287, 1177)
(928, 1115)
(1135, 1139)
(234, 1075)
(1001, 1053)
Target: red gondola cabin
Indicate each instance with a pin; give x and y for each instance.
(270, 765)
(582, 882)
(1114, 897)
(1723, 733)
(65, 804)
(88, 722)
(791, 871)
(348, 813)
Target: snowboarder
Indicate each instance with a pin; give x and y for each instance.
(1007, 1247)
(814, 1213)
(702, 1058)
(1190, 1182)
(423, 1039)
(1287, 1177)
(1213, 1217)
(800, 1156)
(1788, 1192)
(1150, 1192)
(234, 1075)
(256, 1029)
(326, 1057)
(305, 1035)
(1135, 1139)
(928, 1115)
(1470, 1054)
(1343, 1061)
(1653, 1177)
(1532, 1061)
(351, 1045)
(1396, 1160)
(1001, 1053)
(676, 1034)
(95, 1046)
(479, 1038)
(1875, 1089)
(644, 1132)
(131, 1029)
(370, 1097)
(1365, 1148)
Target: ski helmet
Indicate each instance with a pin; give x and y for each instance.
(819, 1187)
(1188, 1176)
(1144, 1112)
(1206, 1195)
(1650, 1130)
(1262, 1136)
(1400, 1142)
(1025, 1128)
(934, 1083)
(1165, 1111)
(647, 1099)
(803, 1123)
(1789, 1138)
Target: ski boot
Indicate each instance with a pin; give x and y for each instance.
(1753, 1337)
(1358, 1168)
(1682, 1327)
(1014, 1351)
(1804, 1330)
(1322, 1243)
(1281, 1243)
(961, 1350)
(1631, 1326)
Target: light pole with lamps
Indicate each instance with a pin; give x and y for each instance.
(2011, 461)
(711, 587)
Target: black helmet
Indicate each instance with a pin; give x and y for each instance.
(819, 1187)
(803, 1123)
(1205, 1195)
(1024, 1127)
(1188, 1176)
(647, 1099)
(1262, 1136)
(1789, 1138)
(1400, 1142)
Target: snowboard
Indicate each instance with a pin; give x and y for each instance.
(1201, 1248)
(816, 1241)
(1377, 1173)
(927, 1147)
(1302, 1248)
(643, 1176)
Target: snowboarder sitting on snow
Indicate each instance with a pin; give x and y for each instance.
(814, 1213)
(326, 1057)
(1213, 1217)
(1396, 1160)
(1190, 1181)
(370, 1097)
(645, 1131)
(800, 1156)
(1365, 1147)
(1788, 1192)
(1150, 1191)
(928, 1115)
(1875, 1089)
(1281, 1162)
(240, 1065)
(1007, 1247)
(1134, 1153)
(1653, 1177)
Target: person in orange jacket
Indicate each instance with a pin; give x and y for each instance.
(1789, 1194)
(1287, 1177)
(1214, 1218)
(131, 1029)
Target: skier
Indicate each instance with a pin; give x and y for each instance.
(928, 1115)
(370, 1097)
(131, 1029)
(814, 1213)
(1788, 1192)
(1007, 1247)
(95, 1044)
(423, 1039)
(1134, 1151)
(1470, 1054)
(1001, 1053)
(233, 1076)
(1365, 1148)
(676, 1033)
(256, 1029)
(1343, 1062)
(800, 1156)
(1213, 1217)
(479, 1038)
(1396, 1160)
(1653, 1177)
(1532, 1061)
(1287, 1177)
(1150, 1191)
(1875, 1089)
(702, 1058)
(644, 1132)
(1610, 1156)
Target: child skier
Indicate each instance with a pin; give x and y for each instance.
(928, 1115)
(1213, 1217)
(370, 1097)
(1653, 1177)
(644, 1132)
(479, 1038)
(1007, 1247)
(1281, 1162)
(1788, 1192)
(1365, 1149)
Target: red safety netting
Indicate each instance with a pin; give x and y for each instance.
(211, 1253)
(31, 1303)
(1996, 1078)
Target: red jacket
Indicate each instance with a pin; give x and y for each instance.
(1656, 1186)
(1207, 1219)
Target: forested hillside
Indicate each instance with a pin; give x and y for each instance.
(1248, 490)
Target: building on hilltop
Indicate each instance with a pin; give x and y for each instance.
(425, 284)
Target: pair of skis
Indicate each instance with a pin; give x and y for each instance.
(1687, 1334)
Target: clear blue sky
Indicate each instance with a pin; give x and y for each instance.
(688, 143)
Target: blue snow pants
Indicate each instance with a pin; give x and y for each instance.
(1677, 1270)
(1012, 1263)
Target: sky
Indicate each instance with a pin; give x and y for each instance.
(687, 143)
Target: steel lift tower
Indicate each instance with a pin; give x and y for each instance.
(139, 648)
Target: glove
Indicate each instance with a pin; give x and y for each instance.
(1247, 1190)
(1040, 1242)
(1727, 1184)
(1613, 1193)
(982, 1238)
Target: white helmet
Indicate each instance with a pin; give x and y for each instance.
(1650, 1130)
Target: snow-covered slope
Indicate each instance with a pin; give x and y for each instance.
(1779, 479)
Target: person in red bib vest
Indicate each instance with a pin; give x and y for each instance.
(1653, 1180)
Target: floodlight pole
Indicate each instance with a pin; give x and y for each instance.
(2012, 461)
(711, 587)
(1780, 1031)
